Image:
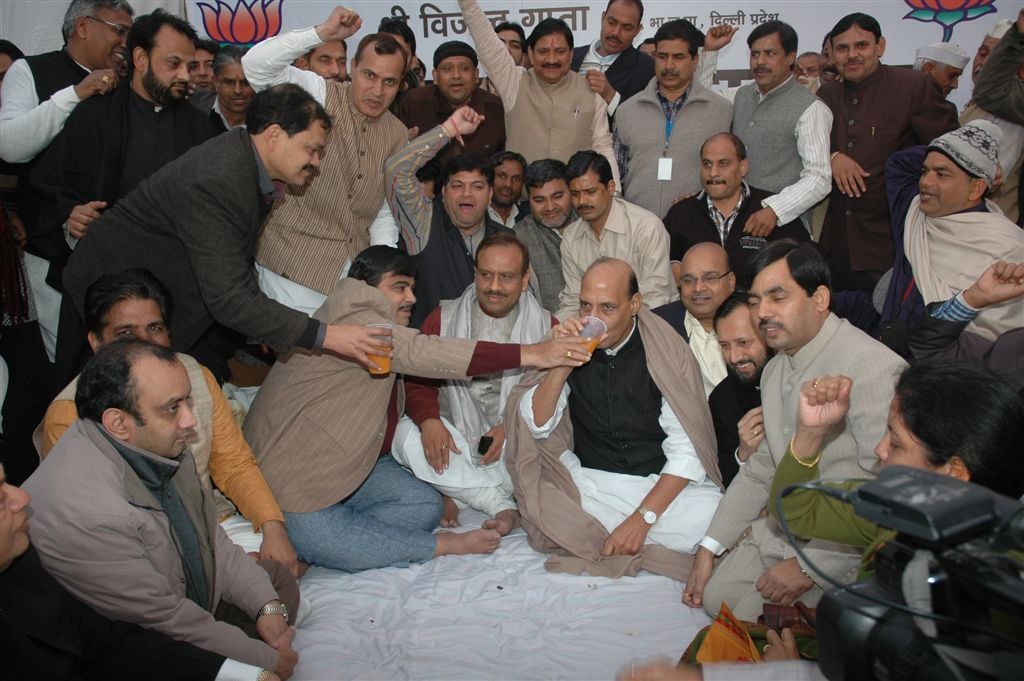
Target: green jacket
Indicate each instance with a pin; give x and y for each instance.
(812, 515)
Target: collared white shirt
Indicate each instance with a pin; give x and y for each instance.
(513, 216)
(604, 63)
(705, 348)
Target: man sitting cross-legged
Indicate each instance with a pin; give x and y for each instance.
(454, 421)
(619, 453)
(123, 522)
(323, 428)
(134, 303)
(789, 299)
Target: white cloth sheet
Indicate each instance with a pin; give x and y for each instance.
(501, 616)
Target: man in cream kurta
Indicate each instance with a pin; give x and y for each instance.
(810, 342)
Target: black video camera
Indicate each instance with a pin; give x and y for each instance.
(947, 598)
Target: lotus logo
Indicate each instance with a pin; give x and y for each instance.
(948, 13)
(248, 23)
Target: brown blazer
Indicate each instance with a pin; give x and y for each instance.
(318, 422)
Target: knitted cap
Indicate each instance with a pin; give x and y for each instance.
(944, 53)
(974, 147)
(454, 48)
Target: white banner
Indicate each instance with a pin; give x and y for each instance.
(34, 25)
(906, 24)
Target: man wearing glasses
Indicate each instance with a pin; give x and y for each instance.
(41, 91)
(705, 281)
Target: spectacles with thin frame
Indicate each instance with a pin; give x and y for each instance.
(120, 29)
(708, 278)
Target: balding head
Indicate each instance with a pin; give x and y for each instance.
(609, 292)
(705, 281)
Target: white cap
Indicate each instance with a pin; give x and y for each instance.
(945, 53)
(1000, 29)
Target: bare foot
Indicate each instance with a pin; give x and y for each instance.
(503, 522)
(474, 541)
(450, 517)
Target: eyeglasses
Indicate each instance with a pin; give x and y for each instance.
(120, 29)
(709, 279)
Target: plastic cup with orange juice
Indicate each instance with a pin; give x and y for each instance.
(593, 329)
(383, 361)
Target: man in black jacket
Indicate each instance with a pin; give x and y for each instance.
(736, 401)
(110, 144)
(613, 67)
(719, 213)
(195, 222)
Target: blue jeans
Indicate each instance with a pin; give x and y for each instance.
(388, 521)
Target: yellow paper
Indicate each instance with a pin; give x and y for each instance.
(727, 640)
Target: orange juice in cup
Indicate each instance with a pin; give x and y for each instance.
(593, 329)
(382, 360)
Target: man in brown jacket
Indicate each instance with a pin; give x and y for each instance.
(877, 110)
(323, 428)
(123, 522)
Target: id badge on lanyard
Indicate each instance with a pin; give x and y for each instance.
(665, 161)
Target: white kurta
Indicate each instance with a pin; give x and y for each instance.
(486, 488)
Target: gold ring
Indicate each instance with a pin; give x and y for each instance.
(755, 431)
(568, 354)
(766, 647)
(106, 80)
(814, 385)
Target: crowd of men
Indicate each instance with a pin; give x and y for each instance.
(416, 271)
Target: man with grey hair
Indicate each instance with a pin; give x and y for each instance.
(944, 62)
(227, 101)
(40, 91)
(234, 93)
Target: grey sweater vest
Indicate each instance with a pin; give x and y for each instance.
(640, 124)
(768, 129)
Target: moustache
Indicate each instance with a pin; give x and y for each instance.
(496, 294)
(715, 180)
(764, 324)
(669, 73)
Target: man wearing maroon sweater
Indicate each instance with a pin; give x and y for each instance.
(454, 435)
(323, 428)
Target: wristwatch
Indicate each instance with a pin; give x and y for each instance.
(274, 607)
(649, 516)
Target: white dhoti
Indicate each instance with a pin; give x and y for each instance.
(613, 497)
(487, 488)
